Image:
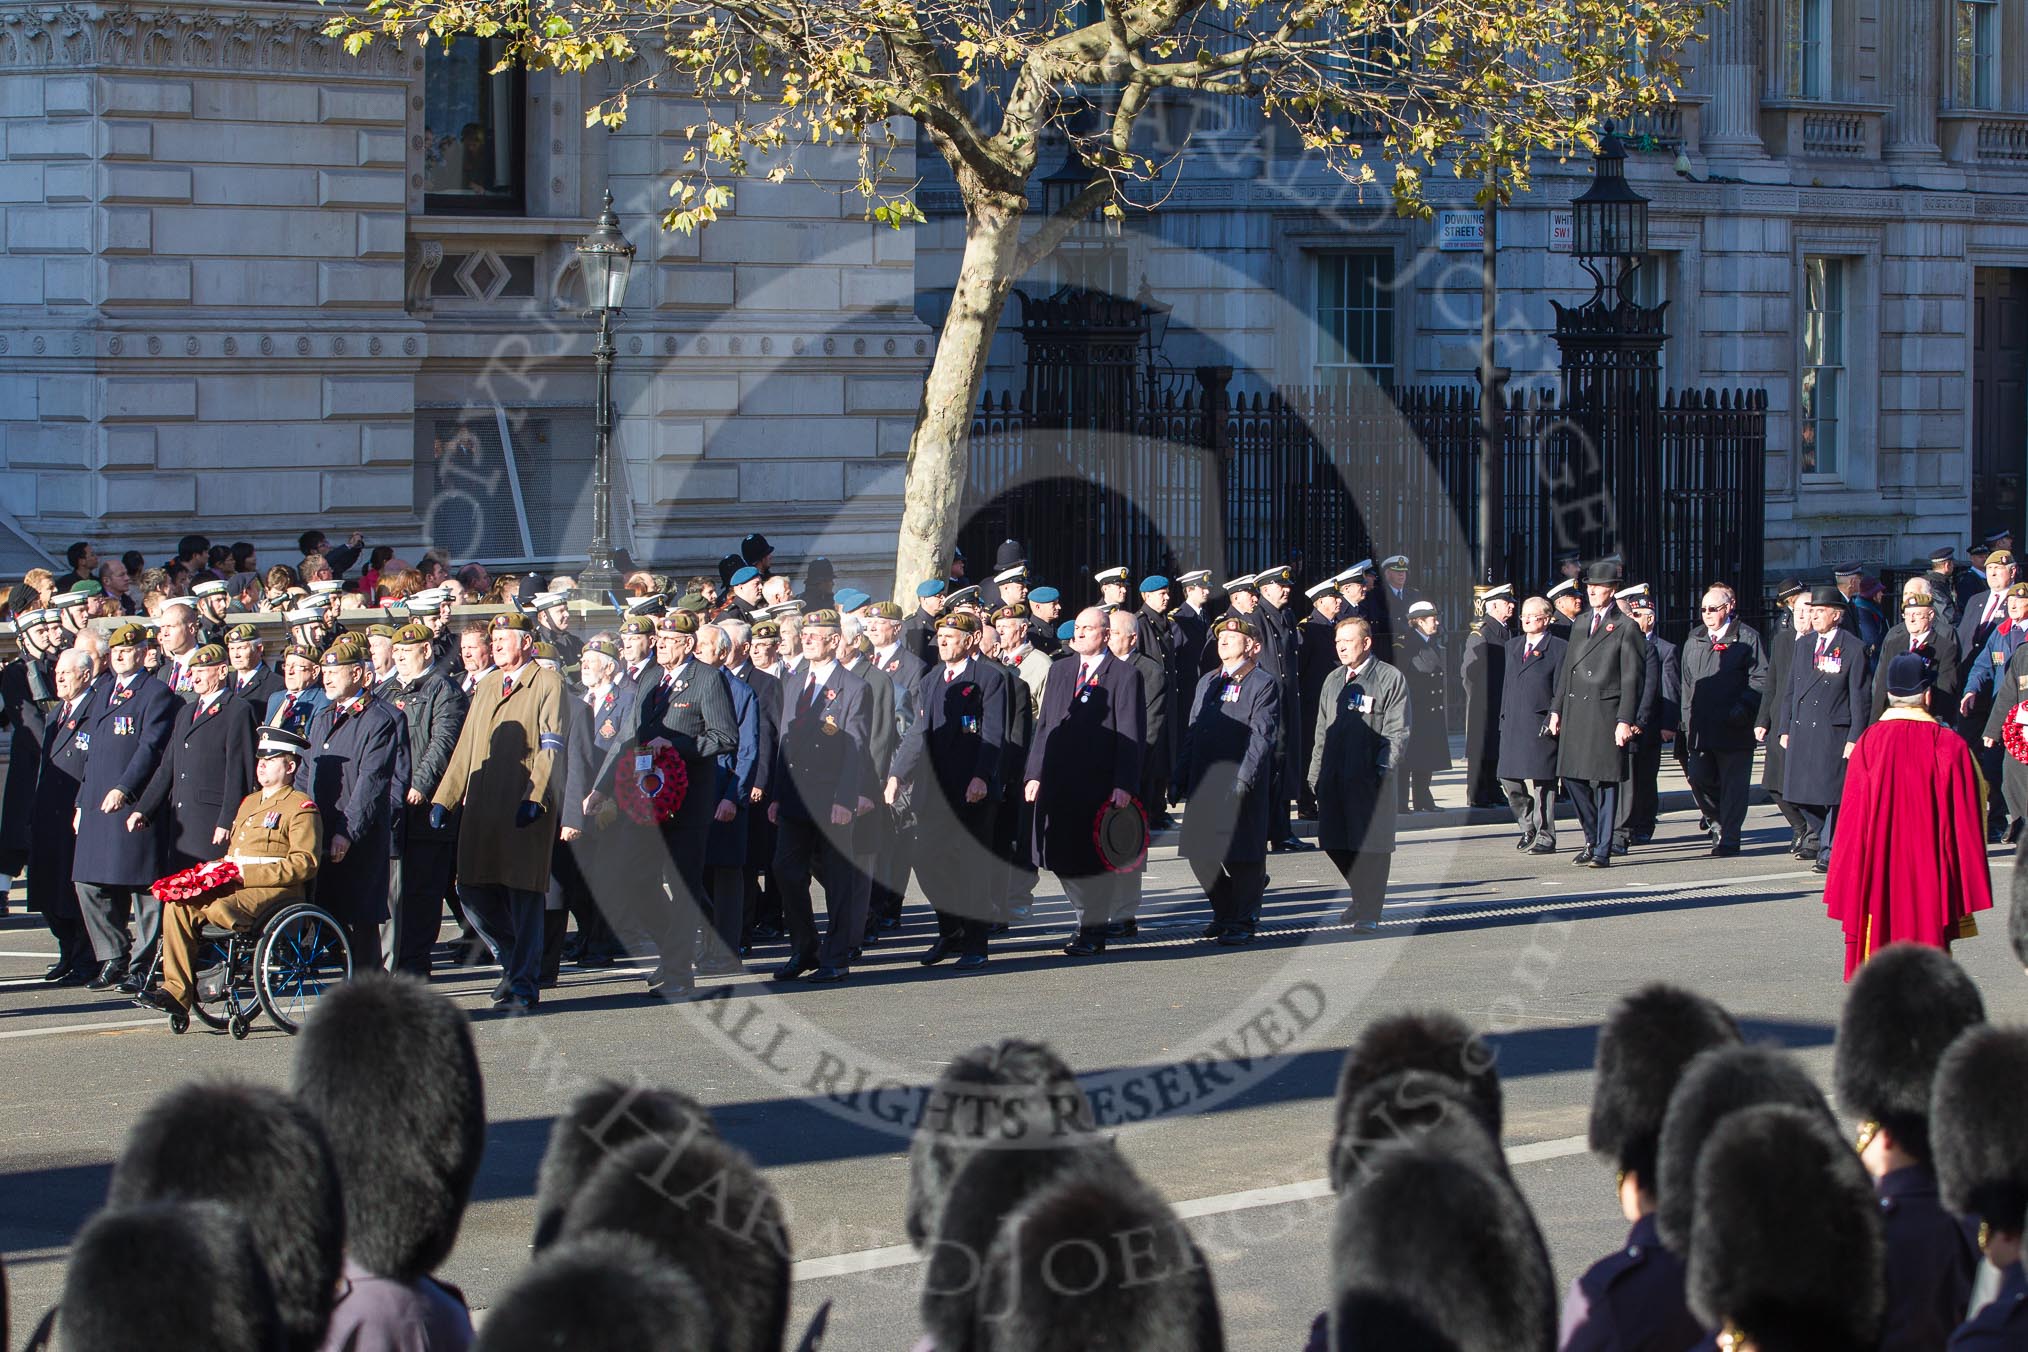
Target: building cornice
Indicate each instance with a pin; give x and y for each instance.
(257, 38)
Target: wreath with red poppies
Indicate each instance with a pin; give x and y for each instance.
(198, 884)
(2014, 735)
(657, 795)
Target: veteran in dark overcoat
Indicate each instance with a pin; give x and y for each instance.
(1227, 761)
(434, 710)
(59, 764)
(1365, 727)
(1596, 708)
(1528, 696)
(1725, 680)
(356, 770)
(206, 768)
(1826, 710)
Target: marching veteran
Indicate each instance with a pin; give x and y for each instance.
(277, 839)
(508, 773)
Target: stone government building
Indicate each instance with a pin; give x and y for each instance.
(252, 284)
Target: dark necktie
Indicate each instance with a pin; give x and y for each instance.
(1822, 644)
(810, 689)
(1597, 619)
(506, 686)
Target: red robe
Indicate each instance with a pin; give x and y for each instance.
(1909, 863)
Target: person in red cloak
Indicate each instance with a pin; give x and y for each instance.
(1911, 858)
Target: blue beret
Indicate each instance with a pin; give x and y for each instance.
(850, 598)
(1154, 584)
(933, 587)
(744, 575)
(1044, 595)
(1067, 630)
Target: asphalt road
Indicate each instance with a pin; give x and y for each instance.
(1242, 1045)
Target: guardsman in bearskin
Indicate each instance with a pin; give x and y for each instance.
(435, 712)
(1786, 1248)
(389, 1070)
(58, 766)
(1225, 773)
(356, 770)
(126, 727)
(950, 763)
(206, 770)
(1979, 1140)
(1634, 1298)
(191, 1246)
(507, 774)
(276, 839)
(1906, 1006)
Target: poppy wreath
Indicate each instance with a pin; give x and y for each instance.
(197, 884)
(657, 796)
(2013, 735)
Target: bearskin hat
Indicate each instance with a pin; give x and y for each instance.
(991, 1184)
(278, 1175)
(1095, 1261)
(389, 1068)
(599, 1121)
(1786, 1240)
(1904, 1008)
(1647, 1039)
(599, 1293)
(1408, 1108)
(1978, 1136)
(705, 1209)
(167, 1274)
(1007, 1092)
(1432, 1251)
(1435, 1041)
(1715, 1083)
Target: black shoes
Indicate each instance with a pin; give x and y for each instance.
(62, 971)
(156, 998)
(1122, 929)
(1289, 845)
(1084, 945)
(1820, 866)
(1728, 851)
(971, 962)
(517, 1004)
(664, 984)
(109, 975)
(795, 967)
(1236, 936)
(1216, 928)
(1582, 859)
(935, 953)
(1364, 927)
(501, 990)
(827, 974)
(1526, 842)
(1542, 847)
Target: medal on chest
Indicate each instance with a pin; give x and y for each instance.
(271, 821)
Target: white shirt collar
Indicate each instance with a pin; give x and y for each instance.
(1718, 634)
(1358, 673)
(885, 655)
(820, 672)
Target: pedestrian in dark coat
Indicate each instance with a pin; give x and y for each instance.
(1228, 752)
(433, 709)
(52, 839)
(1596, 708)
(689, 710)
(1794, 620)
(1425, 664)
(1089, 740)
(892, 844)
(950, 763)
(1528, 696)
(1156, 700)
(27, 698)
(1281, 657)
(614, 852)
(1365, 727)
(127, 726)
(760, 832)
(1316, 659)
(731, 813)
(1482, 670)
(206, 768)
(1821, 720)
(1643, 803)
(355, 771)
(821, 766)
(1923, 631)
(1725, 676)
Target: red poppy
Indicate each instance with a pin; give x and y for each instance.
(2013, 736)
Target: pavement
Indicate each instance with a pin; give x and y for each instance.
(1214, 1067)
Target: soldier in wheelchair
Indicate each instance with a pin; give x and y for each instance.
(277, 839)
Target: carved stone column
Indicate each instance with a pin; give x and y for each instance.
(1729, 70)
(1913, 82)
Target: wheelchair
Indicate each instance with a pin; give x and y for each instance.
(282, 967)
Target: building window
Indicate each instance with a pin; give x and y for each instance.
(1355, 318)
(1820, 409)
(474, 153)
(1809, 49)
(1975, 46)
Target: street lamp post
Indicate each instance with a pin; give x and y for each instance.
(606, 258)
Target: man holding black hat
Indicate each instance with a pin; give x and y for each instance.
(357, 773)
(1725, 677)
(1593, 718)
(1086, 755)
(126, 727)
(950, 764)
(1914, 862)
(1905, 1008)
(1225, 770)
(1820, 721)
(1482, 669)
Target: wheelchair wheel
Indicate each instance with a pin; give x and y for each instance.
(302, 953)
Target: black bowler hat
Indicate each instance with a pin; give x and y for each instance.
(1604, 573)
(1121, 835)
(1828, 596)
